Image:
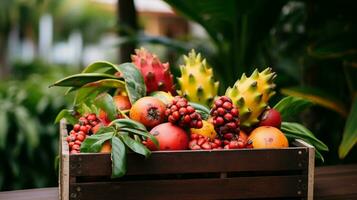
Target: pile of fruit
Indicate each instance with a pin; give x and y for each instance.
(137, 107)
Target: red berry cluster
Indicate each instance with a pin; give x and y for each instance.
(181, 113)
(80, 131)
(236, 144)
(225, 118)
(199, 142)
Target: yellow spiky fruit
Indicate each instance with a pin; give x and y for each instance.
(251, 95)
(197, 82)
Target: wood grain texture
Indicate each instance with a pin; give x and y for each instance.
(203, 189)
(195, 162)
(336, 182)
(64, 163)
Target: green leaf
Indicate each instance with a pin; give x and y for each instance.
(94, 142)
(317, 96)
(128, 123)
(136, 146)
(134, 81)
(3, 128)
(291, 106)
(105, 102)
(105, 129)
(87, 94)
(118, 157)
(297, 131)
(349, 138)
(78, 80)
(99, 66)
(201, 109)
(66, 114)
(141, 133)
(107, 83)
(319, 155)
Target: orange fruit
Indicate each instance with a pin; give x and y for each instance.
(106, 147)
(206, 130)
(268, 137)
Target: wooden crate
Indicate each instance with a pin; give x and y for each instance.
(228, 174)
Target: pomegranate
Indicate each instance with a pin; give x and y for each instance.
(149, 111)
(270, 117)
(169, 136)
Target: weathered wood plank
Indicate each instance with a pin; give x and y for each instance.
(64, 163)
(195, 162)
(228, 188)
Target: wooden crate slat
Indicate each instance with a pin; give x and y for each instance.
(229, 188)
(195, 162)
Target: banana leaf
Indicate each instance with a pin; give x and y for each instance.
(318, 97)
(349, 138)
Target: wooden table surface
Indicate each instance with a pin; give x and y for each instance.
(331, 182)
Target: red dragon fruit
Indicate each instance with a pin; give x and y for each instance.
(157, 75)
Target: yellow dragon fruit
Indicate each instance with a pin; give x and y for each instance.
(197, 82)
(251, 95)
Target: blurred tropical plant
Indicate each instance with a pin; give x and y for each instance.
(237, 29)
(288, 36)
(28, 137)
(323, 67)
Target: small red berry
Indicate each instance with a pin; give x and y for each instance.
(233, 145)
(190, 109)
(221, 111)
(201, 141)
(84, 129)
(192, 143)
(176, 115)
(75, 147)
(186, 119)
(173, 108)
(70, 144)
(199, 124)
(80, 133)
(228, 136)
(218, 103)
(219, 120)
(80, 137)
(76, 127)
(206, 145)
(218, 142)
(227, 105)
(234, 112)
(213, 145)
(228, 117)
(91, 117)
